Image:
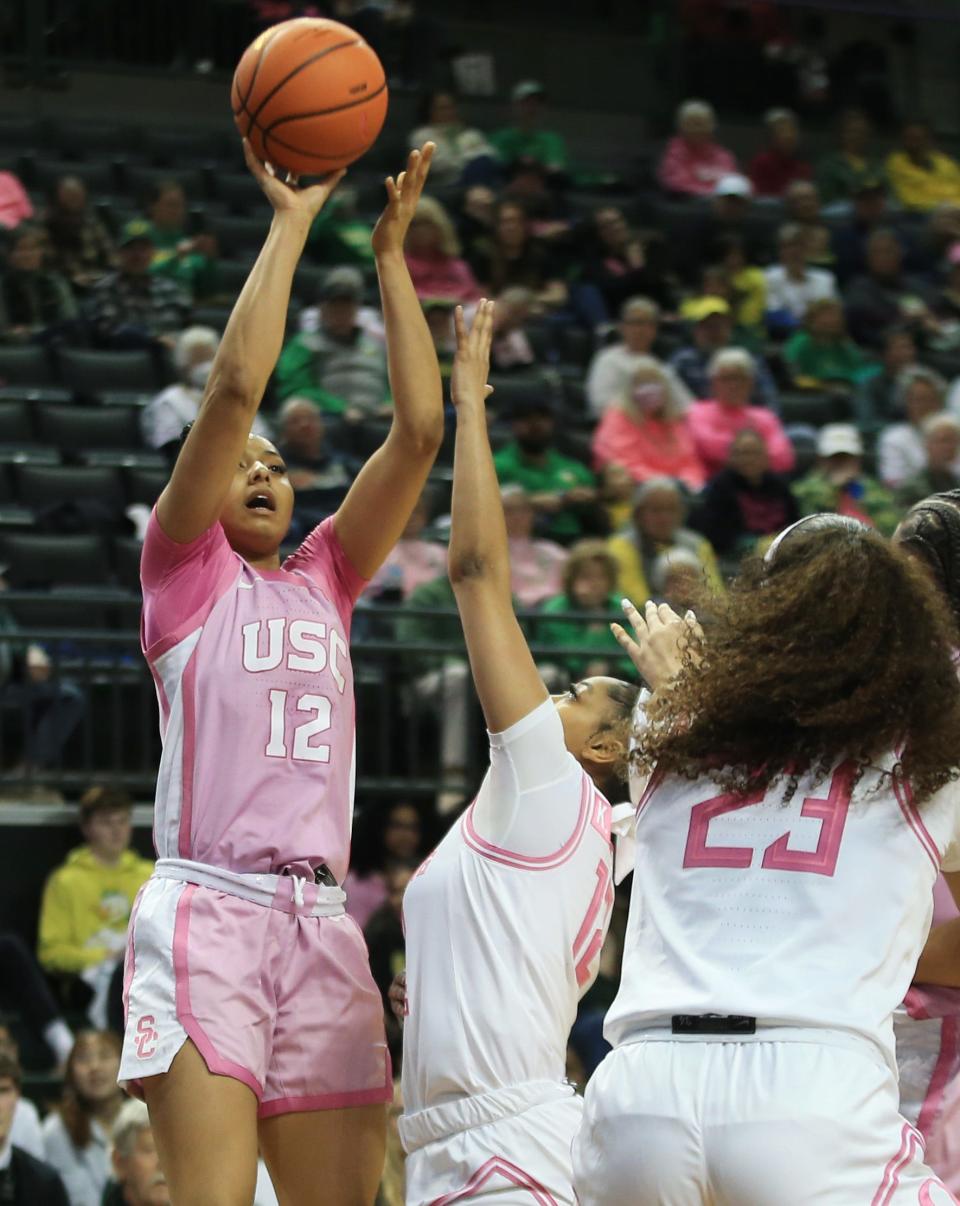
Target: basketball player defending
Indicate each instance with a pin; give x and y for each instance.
(252, 1017)
(802, 802)
(505, 920)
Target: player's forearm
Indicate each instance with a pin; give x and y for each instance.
(478, 535)
(940, 960)
(253, 337)
(411, 357)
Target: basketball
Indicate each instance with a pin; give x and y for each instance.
(310, 95)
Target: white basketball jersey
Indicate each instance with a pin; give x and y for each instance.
(807, 913)
(505, 921)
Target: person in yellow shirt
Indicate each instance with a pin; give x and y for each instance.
(921, 176)
(656, 529)
(87, 900)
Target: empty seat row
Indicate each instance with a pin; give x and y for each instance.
(41, 486)
(86, 371)
(39, 561)
(68, 427)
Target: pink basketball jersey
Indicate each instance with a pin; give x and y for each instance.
(253, 677)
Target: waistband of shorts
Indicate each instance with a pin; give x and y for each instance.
(288, 893)
(440, 1121)
(767, 1032)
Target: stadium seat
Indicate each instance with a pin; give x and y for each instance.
(210, 316)
(307, 282)
(807, 406)
(103, 140)
(39, 486)
(27, 365)
(90, 373)
(232, 275)
(74, 428)
(576, 346)
(40, 560)
(99, 177)
(172, 148)
(235, 235)
(508, 391)
(139, 182)
(16, 422)
(239, 191)
(144, 485)
(21, 132)
(126, 561)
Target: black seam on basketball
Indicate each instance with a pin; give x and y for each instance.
(314, 58)
(333, 108)
(288, 146)
(256, 68)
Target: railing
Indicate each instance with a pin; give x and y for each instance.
(419, 727)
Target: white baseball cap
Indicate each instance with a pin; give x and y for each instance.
(836, 438)
(733, 185)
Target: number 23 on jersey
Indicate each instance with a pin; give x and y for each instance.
(830, 811)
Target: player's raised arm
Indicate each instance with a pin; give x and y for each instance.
(506, 677)
(381, 500)
(193, 499)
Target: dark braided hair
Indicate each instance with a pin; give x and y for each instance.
(931, 530)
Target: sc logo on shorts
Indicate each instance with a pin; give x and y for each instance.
(146, 1037)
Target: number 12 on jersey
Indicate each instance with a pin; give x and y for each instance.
(778, 856)
(303, 751)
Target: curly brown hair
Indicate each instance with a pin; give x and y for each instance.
(840, 647)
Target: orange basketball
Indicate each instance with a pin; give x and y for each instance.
(310, 95)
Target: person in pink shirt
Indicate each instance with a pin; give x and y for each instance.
(714, 423)
(693, 163)
(433, 256)
(536, 566)
(646, 430)
(15, 205)
(252, 1019)
(412, 560)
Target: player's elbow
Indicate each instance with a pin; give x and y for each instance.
(465, 568)
(421, 435)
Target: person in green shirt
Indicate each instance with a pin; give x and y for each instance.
(838, 484)
(589, 586)
(189, 260)
(525, 139)
(841, 172)
(823, 353)
(563, 491)
(338, 235)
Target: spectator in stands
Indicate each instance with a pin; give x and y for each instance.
(745, 501)
(562, 491)
(702, 238)
(26, 1131)
(36, 305)
(885, 294)
(536, 566)
(823, 354)
(921, 176)
(616, 493)
(432, 253)
(24, 1180)
(340, 366)
(320, 475)
(946, 303)
(875, 402)
(840, 173)
(383, 838)
(612, 368)
(476, 219)
(901, 451)
(438, 311)
(838, 484)
(413, 561)
(621, 264)
(676, 578)
(133, 307)
(744, 289)
(164, 417)
(463, 155)
(190, 260)
(526, 139)
(715, 422)
(50, 706)
(87, 900)
(76, 1135)
(657, 526)
(693, 162)
(774, 169)
(802, 204)
(792, 284)
(384, 933)
(941, 470)
(80, 247)
(870, 212)
(589, 587)
(513, 256)
(138, 1179)
(645, 430)
(24, 990)
(512, 349)
(15, 205)
(711, 330)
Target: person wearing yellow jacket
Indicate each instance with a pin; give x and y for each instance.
(87, 900)
(921, 176)
(656, 528)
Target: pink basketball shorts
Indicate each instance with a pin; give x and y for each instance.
(271, 995)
